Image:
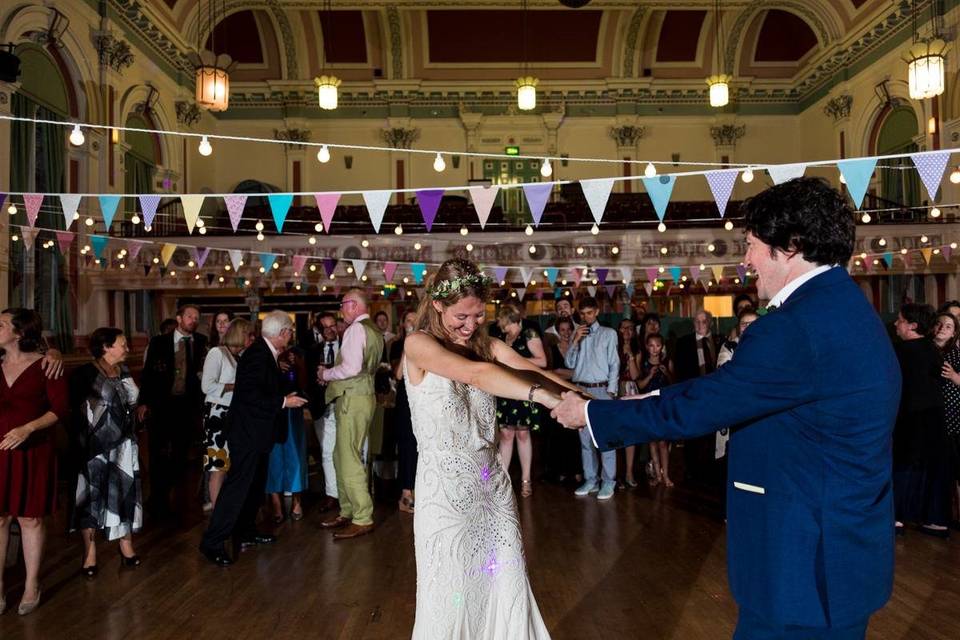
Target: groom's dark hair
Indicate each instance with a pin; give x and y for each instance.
(804, 215)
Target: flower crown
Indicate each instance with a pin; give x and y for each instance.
(446, 288)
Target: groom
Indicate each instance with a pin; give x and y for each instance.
(810, 512)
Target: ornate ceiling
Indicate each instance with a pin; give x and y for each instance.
(783, 54)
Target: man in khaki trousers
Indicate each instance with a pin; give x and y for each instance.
(350, 385)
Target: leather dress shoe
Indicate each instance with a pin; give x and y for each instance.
(353, 531)
(328, 504)
(218, 557)
(256, 539)
(335, 523)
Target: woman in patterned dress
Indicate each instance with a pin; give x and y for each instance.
(471, 572)
(517, 418)
(103, 398)
(219, 372)
(30, 404)
(946, 335)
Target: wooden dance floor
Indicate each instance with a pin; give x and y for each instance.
(646, 565)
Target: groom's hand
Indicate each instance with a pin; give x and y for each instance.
(572, 410)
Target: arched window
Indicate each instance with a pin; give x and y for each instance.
(897, 134)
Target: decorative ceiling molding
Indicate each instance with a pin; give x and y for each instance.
(633, 34)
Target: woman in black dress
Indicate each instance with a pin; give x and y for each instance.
(517, 417)
(400, 418)
(946, 335)
(103, 398)
(921, 459)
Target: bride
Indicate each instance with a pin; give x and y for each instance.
(471, 574)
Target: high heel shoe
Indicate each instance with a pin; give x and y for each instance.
(526, 489)
(28, 607)
(128, 561)
(89, 572)
(406, 505)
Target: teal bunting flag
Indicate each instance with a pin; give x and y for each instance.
(99, 243)
(857, 174)
(108, 207)
(279, 206)
(675, 273)
(418, 269)
(660, 188)
(267, 260)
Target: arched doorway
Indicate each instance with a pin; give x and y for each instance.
(897, 134)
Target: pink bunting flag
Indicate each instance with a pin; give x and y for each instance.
(648, 287)
(327, 203)
(577, 276)
(389, 268)
(202, 256)
(946, 251)
(695, 273)
(235, 205)
(33, 201)
(133, 249)
(299, 262)
(64, 240)
(652, 273)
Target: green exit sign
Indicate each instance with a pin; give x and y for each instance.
(512, 151)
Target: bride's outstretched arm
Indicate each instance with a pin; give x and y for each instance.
(507, 356)
(424, 352)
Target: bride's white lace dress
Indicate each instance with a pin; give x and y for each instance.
(471, 574)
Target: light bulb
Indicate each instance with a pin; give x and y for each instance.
(12, 209)
(747, 176)
(258, 226)
(882, 242)
(955, 176)
(438, 163)
(579, 251)
(563, 282)
(934, 213)
(728, 225)
(464, 231)
(76, 215)
(312, 240)
(191, 264)
(156, 261)
(953, 245)
(546, 169)
(276, 265)
(664, 250)
(469, 247)
(220, 279)
(417, 246)
(661, 269)
(324, 154)
(123, 266)
(14, 237)
(205, 147)
(363, 277)
(865, 218)
(615, 250)
(843, 180)
(203, 231)
(313, 267)
(349, 269)
(702, 267)
(528, 230)
(594, 229)
(135, 219)
(924, 239)
(903, 252)
(318, 227)
(148, 228)
(201, 223)
(196, 276)
(227, 267)
(262, 270)
(88, 222)
(398, 230)
(76, 136)
(533, 248)
(246, 283)
(711, 248)
(650, 170)
(661, 227)
(260, 237)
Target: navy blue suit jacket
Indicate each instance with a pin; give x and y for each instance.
(811, 396)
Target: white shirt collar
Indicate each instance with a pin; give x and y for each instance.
(177, 336)
(796, 283)
(273, 350)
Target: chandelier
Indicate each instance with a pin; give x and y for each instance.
(327, 85)
(526, 84)
(719, 83)
(212, 70)
(926, 68)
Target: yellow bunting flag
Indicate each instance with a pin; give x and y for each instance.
(191, 209)
(927, 252)
(717, 272)
(166, 252)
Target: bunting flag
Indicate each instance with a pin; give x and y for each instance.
(742, 272)
(717, 272)
(64, 240)
(525, 274)
(235, 204)
(288, 286)
(552, 273)
(147, 268)
(236, 257)
(597, 192)
(648, 287)
(389, 268)
(133, 249)
(329, 266)
(867, 264)
(483, 199)
(857, 173)
(537, 194)
(500, 273)
(602, 275)
(521, 292)
(210, 277)
(201, 256)
(3, 197)
(888, 259)
(947, 252)
(376, 202)
(359, 266)
(299, 262)
(721, 186)
(660, 188)
(675, 273)
(557, 293)
(327, 204)
(592, 290)
(69, 203)
(652, 273)
(163, 272)
(267, 260)
(32, 202)
(418, 269)
(429, 201)
(627, 274)
(931, 166)
(108, 209)
(279, 207)
(577, 276)
(927, 254)
(630, 289)
(191, 209)
(166, 252)
(610, 288)
(780, 173)
(695, 272)
(148, 207)
(99, 243)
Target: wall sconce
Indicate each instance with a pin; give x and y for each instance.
(348, 162)
(455, 161)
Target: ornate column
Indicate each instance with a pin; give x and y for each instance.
(627, 136)
(725, 136)
(399, 135)
(296, 154)
(838, 109)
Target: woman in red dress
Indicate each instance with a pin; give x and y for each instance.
(30, 403)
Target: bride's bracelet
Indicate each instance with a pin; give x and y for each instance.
(533, 388)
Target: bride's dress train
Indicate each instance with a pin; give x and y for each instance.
(471, 574)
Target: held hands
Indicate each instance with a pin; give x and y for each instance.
(320, 380)
(950, 374)
(572, 410)
(293, 401)
(14, 438)
(52, 364)
(546, 398)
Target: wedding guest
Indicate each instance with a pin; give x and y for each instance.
(744, 319)
(516, 418)
(952, 307)
(947, 338)
(103, 397)
(743, 301)
(561, 447)
(596, 371)
(324, 353)
(564, 312)
(696, 356)
(350, 385)
(401, 420)
(256, 422)
(221, 322)
(629, 348)
(921, 474)
(171, 396)
(382, 320)
(30, 404)
(656, 372)
(287, 468)
(217, 382)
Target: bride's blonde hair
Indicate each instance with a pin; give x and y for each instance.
(469, 283)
